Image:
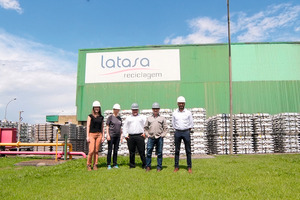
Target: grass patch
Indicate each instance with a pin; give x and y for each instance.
(224, 177)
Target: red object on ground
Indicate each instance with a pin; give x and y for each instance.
(8, 135)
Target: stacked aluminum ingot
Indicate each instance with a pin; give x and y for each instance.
(70, 130)
(251, 134)
(169, 145)
(242, 134)
(218, 134)
(262, 133)
(198, 138)
(286, 132)
(81, 144)
(44, 133)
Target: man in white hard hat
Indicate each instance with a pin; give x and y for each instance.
(133, 131)
(155, 129)
(182, 121)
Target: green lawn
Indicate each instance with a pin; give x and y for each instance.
(224, 177)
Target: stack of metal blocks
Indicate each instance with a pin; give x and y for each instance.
(26, 133)
(8, 124)
(218, 134)
(242, 134)
(44, 133)
(81, 144)
(169, 145)
(286, 132)
(251, 134)
(262, 133)
(70, 130)
(198, 138)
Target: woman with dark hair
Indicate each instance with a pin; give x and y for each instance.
(94, 133)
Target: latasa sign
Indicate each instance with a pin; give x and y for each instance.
(132, 66)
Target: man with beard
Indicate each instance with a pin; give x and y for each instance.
(182, 121)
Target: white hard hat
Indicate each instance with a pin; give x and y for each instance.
(181, 99)
(134, 106)
(96, 104)
(117, 106)
(155, 105)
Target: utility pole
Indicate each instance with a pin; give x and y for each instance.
(19, 126)
(230, 82)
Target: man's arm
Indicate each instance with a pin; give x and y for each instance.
(165, 128)
(88, 129)
(125, 128)
(146, 128)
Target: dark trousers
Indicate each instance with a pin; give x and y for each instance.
(133, 142)
(158, 142)
(185, 136)
(114, 141)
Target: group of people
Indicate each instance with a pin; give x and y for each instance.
(135, 129)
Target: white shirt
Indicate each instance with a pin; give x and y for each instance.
(134, 125)
(182, 120)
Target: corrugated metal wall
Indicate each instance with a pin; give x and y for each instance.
(266, 79)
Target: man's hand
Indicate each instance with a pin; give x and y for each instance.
(108, 137)
(144, 135)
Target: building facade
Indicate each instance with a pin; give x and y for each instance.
(266, 77)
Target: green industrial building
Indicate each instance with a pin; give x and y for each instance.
(266, 77)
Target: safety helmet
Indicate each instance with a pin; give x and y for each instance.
(117, 106)
(96, 104)
(134, 106)
(181, 99)
(155, 105)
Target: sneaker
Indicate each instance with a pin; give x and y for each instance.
(108, 167)
(116, 167)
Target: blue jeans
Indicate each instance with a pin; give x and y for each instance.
(159, 147)
(185, 136)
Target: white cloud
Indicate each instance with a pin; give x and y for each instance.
(268, 25)
(205, 30)
(11, 5)
(42, 78)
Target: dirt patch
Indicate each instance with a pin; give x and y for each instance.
(40, 162)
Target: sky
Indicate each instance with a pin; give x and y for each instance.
(39, 40)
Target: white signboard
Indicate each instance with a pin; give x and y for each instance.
(133, 66)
